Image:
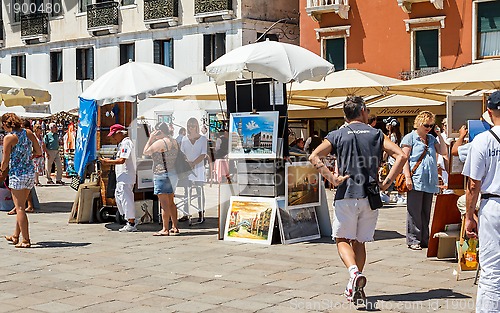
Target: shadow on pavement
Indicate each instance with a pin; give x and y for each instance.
(209, 227)
(55, 207)
(432, 294)
(381, 234)
(59, 244)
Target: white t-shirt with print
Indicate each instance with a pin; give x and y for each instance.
(483, 161)
(125, 172)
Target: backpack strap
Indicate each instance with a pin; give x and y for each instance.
(494, 135)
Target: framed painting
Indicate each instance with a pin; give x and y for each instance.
(297, 224)
(253, 135)
(302, 185)
(250, 219)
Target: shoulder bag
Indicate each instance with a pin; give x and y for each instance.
(371, 186)
(400, 182)
(182, 167)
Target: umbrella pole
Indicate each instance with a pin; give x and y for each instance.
(220, 102)
(251, 89)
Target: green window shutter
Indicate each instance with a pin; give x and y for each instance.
(427, 51)
(335, 53)
(488, 14)
(90, 63)
(13, 65)
(157, 51)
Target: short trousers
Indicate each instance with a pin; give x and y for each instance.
(354, 220)
(18, 182)
(165, 183)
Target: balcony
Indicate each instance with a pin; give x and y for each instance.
(315, 8)
(102, 18)
(406, 4)
(209, 9)
(158, 13)
(419, 73)
(35, 28)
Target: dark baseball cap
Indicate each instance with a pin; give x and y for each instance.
(115, 128)
(494, 101)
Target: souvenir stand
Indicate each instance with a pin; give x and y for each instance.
(258, 123)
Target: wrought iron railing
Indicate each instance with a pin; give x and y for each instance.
(34, 24)
(419, 73)
(160, 9)
(207, 6)
(102, 14)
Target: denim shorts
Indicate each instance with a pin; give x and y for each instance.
(165, 183)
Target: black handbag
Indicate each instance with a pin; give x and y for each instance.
(110, 190)
(371, 186)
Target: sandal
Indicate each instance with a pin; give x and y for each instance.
(13, 239)
(26, 243)
(174, 231)
(161, 233)
(30, 210)
(12, 212)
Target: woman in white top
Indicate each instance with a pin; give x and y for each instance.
(194, 146)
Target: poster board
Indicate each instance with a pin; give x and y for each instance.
(297, 224)
(302, 185)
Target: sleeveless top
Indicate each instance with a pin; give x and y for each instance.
(160, 159)
(20, 158)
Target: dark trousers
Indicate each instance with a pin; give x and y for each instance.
(418, 217)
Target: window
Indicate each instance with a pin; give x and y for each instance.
(163, 52)
(335, 52)
(56, 66)
(127, 52)
(83, 4)
(426, 49)
(128, 2)
(55, 9)
(18, 65)
(488, 28)
(214, 46)
(85, 64)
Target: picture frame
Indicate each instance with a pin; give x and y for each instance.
(297, 224)
(253, 135)
(145, 179)
(250, 220)
(302, 185)
(460, 109)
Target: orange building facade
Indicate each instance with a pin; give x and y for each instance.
(381, 36)
(402, 39)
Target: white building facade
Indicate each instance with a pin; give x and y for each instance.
(65, 45)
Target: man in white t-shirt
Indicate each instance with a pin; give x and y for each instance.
(125, 169)
(482, 166)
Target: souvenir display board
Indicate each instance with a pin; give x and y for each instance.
(297, 224)
(302, 185)
(250, 219)
(253, 135)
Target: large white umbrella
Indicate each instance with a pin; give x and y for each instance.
(16, 90)
(280, 61)
(484, 75)
(135, 81)
(348, 82)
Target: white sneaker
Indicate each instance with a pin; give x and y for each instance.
(401, 200)
(385, 198)
(128, 228)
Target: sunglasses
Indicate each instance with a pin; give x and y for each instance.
(428, 125)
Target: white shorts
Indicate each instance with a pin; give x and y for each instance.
(354, 220)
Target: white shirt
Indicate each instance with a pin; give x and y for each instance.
(463, 152)
(192, 152)
(125, 172)
(483, 162)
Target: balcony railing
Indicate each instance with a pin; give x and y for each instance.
(315, 8)
(161, 11)
(419, 73)
(406, 4)
(35, 27)
(213, 8)
(102, 17)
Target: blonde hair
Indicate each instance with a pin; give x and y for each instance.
(422, 117)
(37, 127)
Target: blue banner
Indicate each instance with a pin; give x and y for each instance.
(86, 142)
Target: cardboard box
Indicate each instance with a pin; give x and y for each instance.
(446, 244)
(144, 212)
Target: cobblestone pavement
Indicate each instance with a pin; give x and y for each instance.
(94, 268)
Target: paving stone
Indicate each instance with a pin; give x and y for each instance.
(54, 307)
